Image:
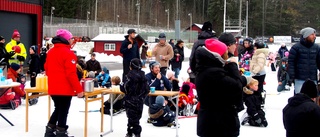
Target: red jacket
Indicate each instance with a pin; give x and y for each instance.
(61, 70)
(9, 95)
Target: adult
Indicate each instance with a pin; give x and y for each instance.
(4, 55)
(176, 61)
(301, 116)
(171, 42)
(163, 52)
(206, 33)
(129, 50)
(283, 49)
(304, 59)
(16, 45)
(230, 41)
(63, 82)
(221, 77)
(93, 65)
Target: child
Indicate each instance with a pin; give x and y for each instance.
(283, 75)
(173, 80)
(117, 106)
(256, 116)
(103, 78)
(136, 88)
(160, 113)
(184, 100)
(187, 81)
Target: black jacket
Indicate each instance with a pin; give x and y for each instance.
(161, 115)
(93, 65)
(34, 64)
(304, 60)
(129, 54)
(219, 88)
(4, 55)
(176, 61)
(301, 117)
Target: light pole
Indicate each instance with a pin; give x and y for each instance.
(167, 10)
(138, 13)
(96, 13)
(118, 23)
(224, 15)
(190, 15)
(88, 13)
(52, 9)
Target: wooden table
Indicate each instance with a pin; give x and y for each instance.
(170, 94)
(13, 84)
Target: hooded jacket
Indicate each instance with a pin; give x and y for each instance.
(165, 51)
(301, 117)
(22, 53)
(258, 61)
(61, 69)
(129, 54)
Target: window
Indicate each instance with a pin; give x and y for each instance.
(109, 47)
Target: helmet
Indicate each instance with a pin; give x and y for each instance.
(249, 39)
(259, 45)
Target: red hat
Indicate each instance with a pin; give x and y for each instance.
(16, 49)
(215, 45)
(15, 34)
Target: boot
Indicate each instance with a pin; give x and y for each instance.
(61, 132)
(127, 135)
(50, 129)
(138, 135)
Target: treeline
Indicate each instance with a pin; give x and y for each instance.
(281, 17)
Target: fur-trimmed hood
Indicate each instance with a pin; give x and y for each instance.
(247, 91)
(262, 50)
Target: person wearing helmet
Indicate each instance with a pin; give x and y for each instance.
(246, 53)
(283, 76)
(16, 45)
(163, 53)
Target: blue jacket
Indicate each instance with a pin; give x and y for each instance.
(105, 78)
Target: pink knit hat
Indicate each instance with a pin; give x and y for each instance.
(215, 45)
(63, 33)
(286, 54)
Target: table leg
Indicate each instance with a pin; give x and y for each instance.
(177, 123)
(27, 112)
(49, 107)
(111, 112)
(85, 116)
(102, 113)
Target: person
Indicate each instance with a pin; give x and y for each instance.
(176, 61)
(282, 75)
(62, 60)
(192, 76)
(215, 71)
(163, 52)
(14, 44)
(272, 60)
(144, 49)
(303, 61)
(103, 78)
(192, 86)
(43, 53)
(228, 39)
(34, 65)
(301, 116)
(160, 113)
(136, 88)
(257, 67)
(117, 99)
(157, 80)
(4, 55)
(11, 97)
(256, 116)
(206, 33)
(129, 50)
(171, 42)
(185, 99)
(93, 65)
(245, 54)
(282, 50)
(80, 69)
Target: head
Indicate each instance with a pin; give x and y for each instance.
(154, 67)
(171, 41)
(283, 44)
(309, 34)
(160, 100)
(105, 70)
(162, 38)
(135, 64)
(65, 34)
(185, 89)
(258, 45)
(253, 84)
(218, 47)
(180, 43)
(93, 56)
(49, 44)
(16, 35)
(15, 67)
(170, 74)
(207, 26)
(247, 42)
(229, 40)
(284, 62)
(33, 49)
(2, 40)
(132, 33)
(309, 88)
(115, 80)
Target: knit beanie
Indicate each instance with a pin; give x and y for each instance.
(227, 38)
(185, 89)
(63, 33)
(34, 48)
(307, 32)
(15, 34)
(135, 64)
(216, 46)
(15, 66)
(160, 100)
(154, 63)
(309, 88)
(207, 26)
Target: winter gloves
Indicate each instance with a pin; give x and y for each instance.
(20, 58)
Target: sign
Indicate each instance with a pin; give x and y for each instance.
(282, 39)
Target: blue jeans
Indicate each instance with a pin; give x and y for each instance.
(143, 62)
(298, 84)
(176, 72)
(283, 85)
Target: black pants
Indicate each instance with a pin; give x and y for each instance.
(260, 79)
(134, 116)
(126, 69)
(61, 110)
(163, 70)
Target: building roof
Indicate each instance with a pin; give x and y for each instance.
(109, 37)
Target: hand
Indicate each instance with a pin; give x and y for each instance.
(129, 46)
(159, 76)
(11, 53)
(80, 95)
(232, 59)
(34, 74)
(20, 58)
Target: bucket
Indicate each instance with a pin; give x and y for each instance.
(87, 85)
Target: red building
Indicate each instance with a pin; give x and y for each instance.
(26, 17)
(111, 43)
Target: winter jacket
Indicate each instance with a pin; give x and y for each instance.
(304, 60)
(282, 73)
(144, 52)
(4, 55)
(23, 52)
(282, 50)
(301, 117)
(61, 69)
(245, 57)
(93, 65)
(129, 54)
(161, 115)
(252, 102)
(258, 61)
(192, 87)
(176, 61)
(165, 51)
(224, 81)
(104, 78)
(34, 65)
(12, 74)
